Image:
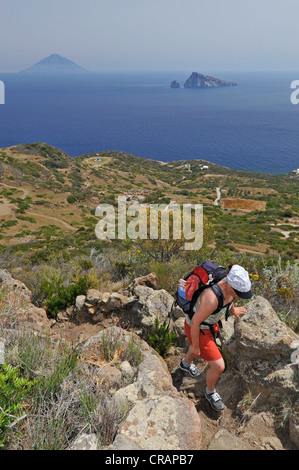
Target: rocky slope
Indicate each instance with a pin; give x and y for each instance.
(166, 408)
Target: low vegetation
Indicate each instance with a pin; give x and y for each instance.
(50, 393)
(161, 338)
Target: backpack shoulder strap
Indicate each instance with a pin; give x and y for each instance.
(219, 294)
(227, 310)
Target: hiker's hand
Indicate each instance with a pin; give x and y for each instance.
(195, 351)
(238, 311)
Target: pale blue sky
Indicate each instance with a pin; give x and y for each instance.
(191, 35)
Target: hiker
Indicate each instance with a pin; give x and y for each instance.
(203, 327)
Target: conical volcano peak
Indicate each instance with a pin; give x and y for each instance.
(55, 64)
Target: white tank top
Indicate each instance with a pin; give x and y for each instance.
(212, 319)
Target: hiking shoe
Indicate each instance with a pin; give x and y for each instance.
(215, 401)
(192, 369)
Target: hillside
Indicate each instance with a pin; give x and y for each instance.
(45, 193)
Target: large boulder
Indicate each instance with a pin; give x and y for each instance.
(261, 333)
(262, 350)
(149, 280)
(116, 301)
(91, 306)
(152, 304)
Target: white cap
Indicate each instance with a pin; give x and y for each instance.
(238, 279)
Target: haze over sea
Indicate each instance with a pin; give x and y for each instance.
(252, 126)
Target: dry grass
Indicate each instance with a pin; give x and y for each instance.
(66, 399)
(243, 204)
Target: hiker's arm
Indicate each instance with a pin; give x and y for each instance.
(208, 304)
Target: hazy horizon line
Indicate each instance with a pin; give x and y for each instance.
(155, 70)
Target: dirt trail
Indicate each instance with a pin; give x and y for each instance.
(25, 191)
(66, 224)
(218, 198)
(5, 208)
(286, 233)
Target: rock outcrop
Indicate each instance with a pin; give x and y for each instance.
(142, 300)
(139, 302)
(262, 349)
(151, 304)
(261, 359)
(198, 80)
(18, 307)
(174, 84)
(158, 417)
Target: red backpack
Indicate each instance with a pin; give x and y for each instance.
(205, 275)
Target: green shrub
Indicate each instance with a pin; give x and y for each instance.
(162, 338)
(27, 219)
(169, 273)
(56, 163)
(75, 197)
(13, 391)
(9, 223)
(65, 296)
(71, 199)
(23, 206)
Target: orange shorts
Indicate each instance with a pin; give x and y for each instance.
(208, 347)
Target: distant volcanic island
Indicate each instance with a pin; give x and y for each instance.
(55, 64)
(198, 80)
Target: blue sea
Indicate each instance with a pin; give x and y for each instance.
(252, 126)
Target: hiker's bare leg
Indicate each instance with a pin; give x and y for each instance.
(214, 372)
(189, 358)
